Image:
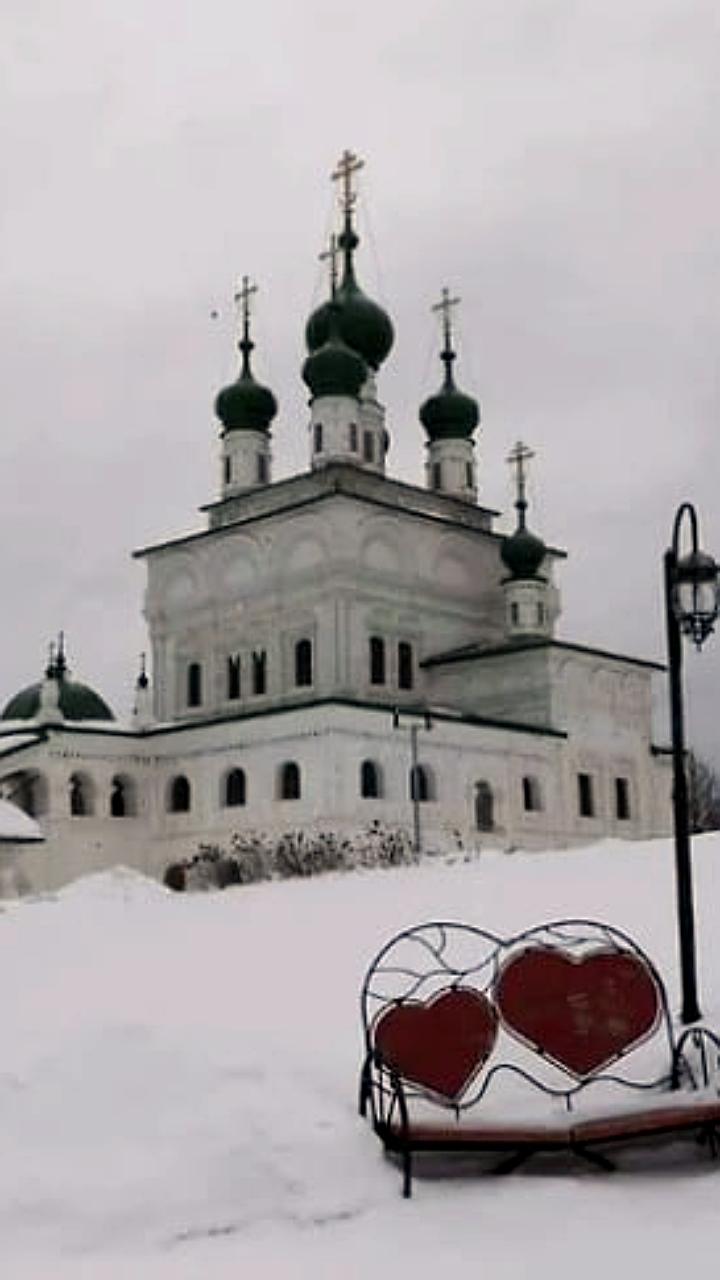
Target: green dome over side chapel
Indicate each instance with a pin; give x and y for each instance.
(77, 702)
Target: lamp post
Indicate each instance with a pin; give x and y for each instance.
(691, 608)
(414, 777)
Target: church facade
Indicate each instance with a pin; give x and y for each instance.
(340, 649)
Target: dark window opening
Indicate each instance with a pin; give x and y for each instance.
(586, 803)
(303, 663)
(532, 801)
(369, 780)
(377, 660)
(318, 433)
(82, 801)
(420, 784)
(437, 475)
(233, 676)
(179, 795)
(259, 663)
(290, 781)
(353, 437)
(194, 685)
(228, 471)
(468, 475)
(368, 447)
(622, 799)
(541, 615)
(405, 665)
(515, 613)
(484, 816)
(262, 468)
(235, 788)
(122, 798)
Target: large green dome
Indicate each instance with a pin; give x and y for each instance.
(77, 702)
(334, 369)
(245, 405)
(362, 324)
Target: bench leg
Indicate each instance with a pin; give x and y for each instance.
(596, 1158)
(513, 1162)
(407, 1174)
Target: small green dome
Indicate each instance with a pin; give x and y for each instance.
(362, 324)
(77, 702)
(450, 414)
(522, 553)
(334, 369)
(245, 405)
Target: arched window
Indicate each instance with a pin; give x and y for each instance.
(82, 796)
(377, 660)
(234, 789)
(484, 805)
(179, 795)
(123, 797)
(303, 662)
(259, 667)
(30, 793)
(405, 665)
(370, 782)
(194, 684)
(532, 796)
(290, 781)
(368, 446)
(420, 783)
(233, 676)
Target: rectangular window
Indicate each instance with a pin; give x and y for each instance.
(318, 437)
(368, 447)
(228, 470)
(353, 437)
(194, 685)
(377, 660)
(405, 665)
(514, 613)
(259, 668)
(437, 475)
(468, 475)
(622, 799)
(262, 468)
(586, 804)
(233, 676)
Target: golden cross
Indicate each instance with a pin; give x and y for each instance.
(347, 166)
(517, 458)
(445, 306)
(242, 297)
(331, 255)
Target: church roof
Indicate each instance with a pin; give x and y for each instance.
(16, 827)
(476, 652)
(77, 702)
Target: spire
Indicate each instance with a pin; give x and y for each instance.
(245, 404)
(242, 298)
(60, 659)
(517, 458)
(522, 553)
(331, 255)
(363, 325)
(450, 414)
(447, 355)
(142, 715)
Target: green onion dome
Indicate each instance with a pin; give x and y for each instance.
(335, 369)
(522, 553)
(363, 325)
(245, 405)
(77, 702)
(449, 415)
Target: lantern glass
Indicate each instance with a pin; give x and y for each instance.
(696, 595)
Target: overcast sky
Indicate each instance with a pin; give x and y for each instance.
(555, 162)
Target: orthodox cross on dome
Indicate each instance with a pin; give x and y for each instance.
(242, 297)
(444, 307)
(517, 458)
(348, 165)
(331, 255)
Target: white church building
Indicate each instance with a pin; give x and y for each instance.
(341, 648)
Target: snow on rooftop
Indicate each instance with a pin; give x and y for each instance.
(178, 1083)
(16, 825)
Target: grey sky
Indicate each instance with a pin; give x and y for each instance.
(553, 161)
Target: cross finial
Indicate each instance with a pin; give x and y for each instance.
(518, 456)
(331, 254)
(242, 296)
(348, 165)
(445, 306)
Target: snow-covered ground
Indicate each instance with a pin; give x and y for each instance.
(178, 1078)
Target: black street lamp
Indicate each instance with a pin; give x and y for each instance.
(692, 599)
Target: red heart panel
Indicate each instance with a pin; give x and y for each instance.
(581, 1012)
(440, 1044)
